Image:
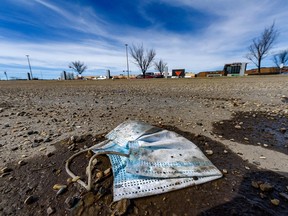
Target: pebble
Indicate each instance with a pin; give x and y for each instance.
(5, 170)
(75, 179)
(22, 162)
(238, 127)
(29, 200)
(225, 151)
(107, 172)
(224, 171)
(49, 154)
(283, 130)
(209, 152)
(275, 202)
(59, 186)
(266, 187)
(61, 191)
(50, 210)
(42, 149)
(265, 145)
(254, 184)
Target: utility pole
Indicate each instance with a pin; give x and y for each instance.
(29, 66)
(127, 59)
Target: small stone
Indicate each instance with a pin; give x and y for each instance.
(283, 130)
(42, 149)
(61, 191)
(209, 152)
(49, 154)
(29, 200)
(14, 148)
(5, 170)
(4, 174)
(22, 162)
(224, 171)
(59, 186)
(107, 172)
(50, 210)
(48, 139)
(246, 139)
(225, 151)
(254, 184)
(262, 157)
(238, 127)
(30, 132)
(265, 145)
(266, 187)
(275, 202)
(75, 179)
(247, 168)
(99, 174)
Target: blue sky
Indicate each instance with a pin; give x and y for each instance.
(197, 35)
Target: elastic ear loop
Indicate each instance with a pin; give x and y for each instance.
(88, 186)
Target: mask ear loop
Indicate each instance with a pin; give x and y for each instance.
(88, 186)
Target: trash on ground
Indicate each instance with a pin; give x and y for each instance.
(147, 160)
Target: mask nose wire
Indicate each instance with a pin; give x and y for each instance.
(88, 186)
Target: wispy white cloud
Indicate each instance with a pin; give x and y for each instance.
(101, 44)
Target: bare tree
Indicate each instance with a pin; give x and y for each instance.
(78, 67)
(141, 60)
(260, 46)
(160, 66)
(281, 58)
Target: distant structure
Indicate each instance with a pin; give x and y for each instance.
(231, 69)
(235, 69)
(178, 73)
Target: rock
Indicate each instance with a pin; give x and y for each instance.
(22, 162)
(14, 148)
(42, 149)
(29, 200)
(224, 171)
(5, 170)
(99, 174)
(209, 152)
(35, 144)
(75, 179)
(61, 191)
(48, 139)
(49, 154)
(225, 151)
(4, 174)
(275, 202)
(107, 172)
(254, 184)
(59, 186)
(50, 210)
(238, 127)
(265, 145)
(266, 187)
(283, 130)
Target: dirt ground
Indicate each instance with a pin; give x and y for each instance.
(243, 120)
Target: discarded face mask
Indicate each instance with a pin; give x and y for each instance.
(147, 160)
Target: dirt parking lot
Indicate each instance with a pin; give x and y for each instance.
(243, 120)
